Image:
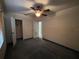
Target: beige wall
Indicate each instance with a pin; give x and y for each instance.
(63, 28)
(27, 28)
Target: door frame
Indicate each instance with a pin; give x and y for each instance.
(21, 28)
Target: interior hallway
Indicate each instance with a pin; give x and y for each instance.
(39, 49)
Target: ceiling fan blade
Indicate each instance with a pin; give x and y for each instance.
(27, 14)
(50, 7)
(46, 10)
(32, 8)
(44, 14)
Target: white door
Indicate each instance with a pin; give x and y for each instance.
(13, 30)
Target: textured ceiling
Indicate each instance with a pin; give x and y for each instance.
(24, 5)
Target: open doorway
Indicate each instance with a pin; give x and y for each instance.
(19, 29)
(40, 29)
(37, 29)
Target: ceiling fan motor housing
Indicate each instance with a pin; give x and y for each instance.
(38, 6)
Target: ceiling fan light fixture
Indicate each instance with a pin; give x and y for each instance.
(38, 13)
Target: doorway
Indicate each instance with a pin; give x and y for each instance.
(19, 29)
(40, 29)
(37, 32)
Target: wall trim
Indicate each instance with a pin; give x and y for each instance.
(62, 46)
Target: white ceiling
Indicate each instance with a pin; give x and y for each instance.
(24, 5)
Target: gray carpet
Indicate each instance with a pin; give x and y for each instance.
(39, 49)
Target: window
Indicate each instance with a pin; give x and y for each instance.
(1, 39)
(1, 30)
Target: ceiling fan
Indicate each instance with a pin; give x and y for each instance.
(38, 8)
